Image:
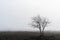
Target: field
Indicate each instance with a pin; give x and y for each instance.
(24, 35)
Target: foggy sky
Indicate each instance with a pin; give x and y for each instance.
(15, 15)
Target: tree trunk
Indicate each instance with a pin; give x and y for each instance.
(40, 30)
(43, 31)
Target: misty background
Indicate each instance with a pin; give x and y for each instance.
(15, 15)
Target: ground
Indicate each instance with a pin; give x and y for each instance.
(23, 35)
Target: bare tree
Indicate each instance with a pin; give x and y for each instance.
(40, 23)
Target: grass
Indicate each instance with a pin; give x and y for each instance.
(23, 35)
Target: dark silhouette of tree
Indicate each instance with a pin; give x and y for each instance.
(40, 23)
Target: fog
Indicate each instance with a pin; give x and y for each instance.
(15, 15)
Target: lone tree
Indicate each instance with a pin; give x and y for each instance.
(40, 23)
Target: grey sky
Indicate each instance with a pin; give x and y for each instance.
(15, 14)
